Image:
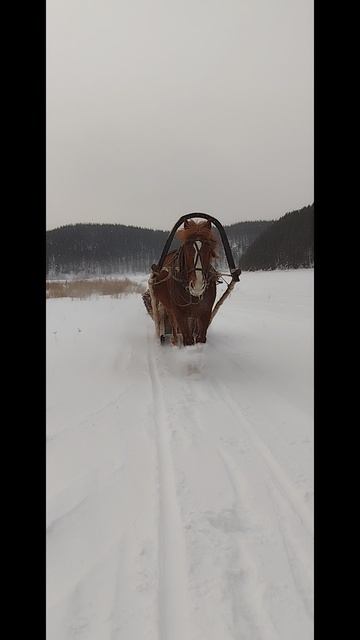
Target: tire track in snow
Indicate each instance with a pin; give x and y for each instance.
(173, 609)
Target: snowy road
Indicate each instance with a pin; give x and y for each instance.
(180, 481)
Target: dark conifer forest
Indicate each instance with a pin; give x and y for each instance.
(287, 244)
(102, 249)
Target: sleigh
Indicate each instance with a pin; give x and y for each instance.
(180, 296)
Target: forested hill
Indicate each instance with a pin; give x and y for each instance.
(241, 235)
(287, 244)
(102, 248)
(117, 248)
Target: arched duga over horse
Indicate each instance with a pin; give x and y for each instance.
(182, 286)
(186, 285)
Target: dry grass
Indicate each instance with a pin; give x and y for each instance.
(88, 288)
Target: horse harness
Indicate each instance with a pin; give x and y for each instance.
(177, 267)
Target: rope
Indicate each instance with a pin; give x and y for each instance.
(164, 279)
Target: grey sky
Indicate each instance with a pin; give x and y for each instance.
(156, 108)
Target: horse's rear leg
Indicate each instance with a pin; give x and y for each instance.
(202, 327)
(174, 328)
(188, 338)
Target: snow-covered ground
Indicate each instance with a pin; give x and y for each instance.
(180, 481)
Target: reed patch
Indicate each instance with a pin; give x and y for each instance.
(87, 288)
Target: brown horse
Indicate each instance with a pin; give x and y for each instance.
(186, 285)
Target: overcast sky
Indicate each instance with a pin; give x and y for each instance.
(157, 108)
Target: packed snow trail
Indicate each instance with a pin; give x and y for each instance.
(172, 556)
(180, 481)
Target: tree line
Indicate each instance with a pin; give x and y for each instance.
(97, 249)
(115, 248)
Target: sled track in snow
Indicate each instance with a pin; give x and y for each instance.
(173, 584)
(294, 524)
(279, 476)
(274, 501)
(180, 481)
